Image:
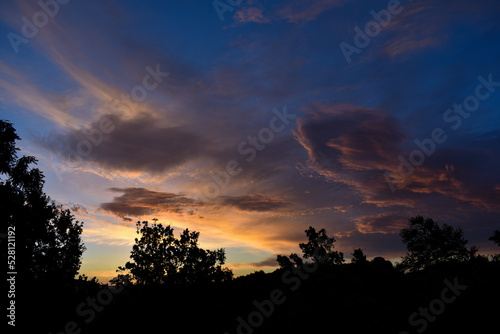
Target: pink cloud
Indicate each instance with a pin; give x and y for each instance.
(357, 146)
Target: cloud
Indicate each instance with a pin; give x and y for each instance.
(258, 202)
(142, 143)
(251, 14)
(301, 12)
(356, 146)
(330, 174)
(111, 234)
(138, 202)
(76, 208)
(352, 145)
(381, 223)
(410, 37)
(269, 262)
(56, 108)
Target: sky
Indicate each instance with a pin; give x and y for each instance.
(250, 121)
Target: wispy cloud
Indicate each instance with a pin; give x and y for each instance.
(301, 12)
(251, 14)
(256, 202)
(389, 222)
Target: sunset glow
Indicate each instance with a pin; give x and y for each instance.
(250, 125)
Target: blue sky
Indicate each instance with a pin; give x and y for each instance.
(348, 122)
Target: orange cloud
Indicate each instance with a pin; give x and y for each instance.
(381, 223)
(357, 146)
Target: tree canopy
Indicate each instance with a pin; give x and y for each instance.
(159, 258)
(428, 244)
(358, 256)
(319, 248)
(496, 237)
(48, 239)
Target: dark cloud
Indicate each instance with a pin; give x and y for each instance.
(139, 202)
(269, 262)
(256, 202)
(349, 137)
(353, 145)
(356, 146)
(141, 143)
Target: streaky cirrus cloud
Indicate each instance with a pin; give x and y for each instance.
(257, 202)
(297, 11)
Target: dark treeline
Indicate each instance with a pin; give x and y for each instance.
(171, 285)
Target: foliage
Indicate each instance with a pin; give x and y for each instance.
(429, 244)
(49, 248)
(121, 280)
(60, 254)
(319, 248)
(85, 278)
(496, 237)
(48, 238)
(159, 258)
(358, 256)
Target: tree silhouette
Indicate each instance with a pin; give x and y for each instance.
(428, 244)
(496, 237)
(319, 248)
(159, 258)
(47, 238)
(358, 256)
(381, 263)
(289, 262)
(121, 279)
(59, 255)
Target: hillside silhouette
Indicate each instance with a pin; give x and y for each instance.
(170, 284)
